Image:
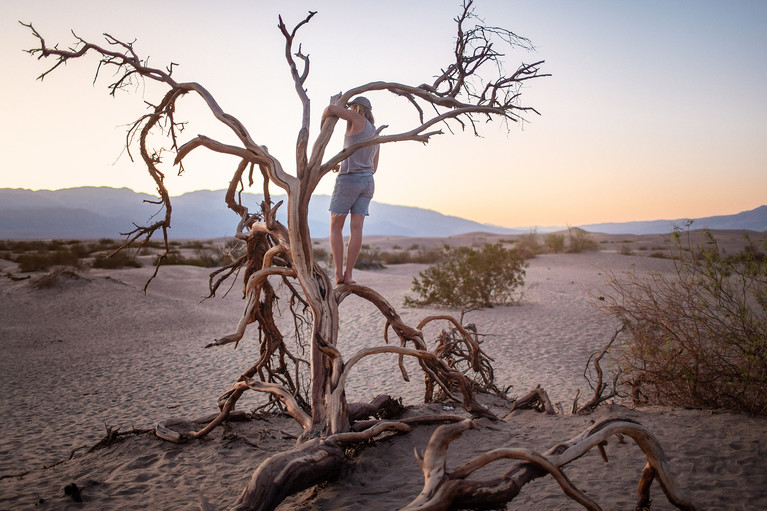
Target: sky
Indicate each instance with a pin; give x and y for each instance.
(654, 109)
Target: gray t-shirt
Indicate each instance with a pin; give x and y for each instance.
(362, 160)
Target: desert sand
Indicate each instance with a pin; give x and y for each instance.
(96, 352)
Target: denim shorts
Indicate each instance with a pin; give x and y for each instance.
(352, 193)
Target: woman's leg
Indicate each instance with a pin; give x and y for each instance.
(355, 244)
(337, 244)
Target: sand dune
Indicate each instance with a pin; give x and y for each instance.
(98, 351)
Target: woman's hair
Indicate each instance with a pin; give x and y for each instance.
(367, 113)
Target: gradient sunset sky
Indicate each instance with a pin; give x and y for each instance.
(654, 110)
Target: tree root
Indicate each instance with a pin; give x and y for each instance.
(536, 399)
(286, 473)
(449, 490)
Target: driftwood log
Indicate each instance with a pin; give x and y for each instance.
(304, 372)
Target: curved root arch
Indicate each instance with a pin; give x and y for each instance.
(448, 490)
(436, 368)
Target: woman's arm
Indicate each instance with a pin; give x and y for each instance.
(355, 123)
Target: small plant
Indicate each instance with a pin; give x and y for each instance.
(467, 278)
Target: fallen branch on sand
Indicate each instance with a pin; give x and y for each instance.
(449, 490)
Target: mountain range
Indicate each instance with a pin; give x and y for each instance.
(101, 212)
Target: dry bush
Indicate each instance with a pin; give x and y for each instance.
(369, 259)
(555, 242)
(697, 337)
(420, 255)
(53, 278)
(204, 257)
(579, 240)
(625, 249)
(529, 245)
(119, 260)
(39, 261)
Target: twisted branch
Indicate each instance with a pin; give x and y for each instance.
(443, 489)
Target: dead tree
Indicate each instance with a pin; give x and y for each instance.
(472, 88)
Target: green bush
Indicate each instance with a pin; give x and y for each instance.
(696, 338)
(468, 278)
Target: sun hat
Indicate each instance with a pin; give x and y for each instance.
(362, 101)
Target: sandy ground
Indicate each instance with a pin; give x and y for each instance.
(97, 351)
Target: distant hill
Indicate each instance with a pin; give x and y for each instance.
(753, 220)
(91, 213)
(101, 212)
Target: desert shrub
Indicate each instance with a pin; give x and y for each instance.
(204, 257)
(37, 261)
(418, 256)
(30, 246)
(322, 256)
(555, 242)
(369, 259)
(81, 250)
(625, 250)
(373, 258)
(529, 245)
(119, 260)
(468, 278)
(579, 240)
(696, 337)
(54, 277)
